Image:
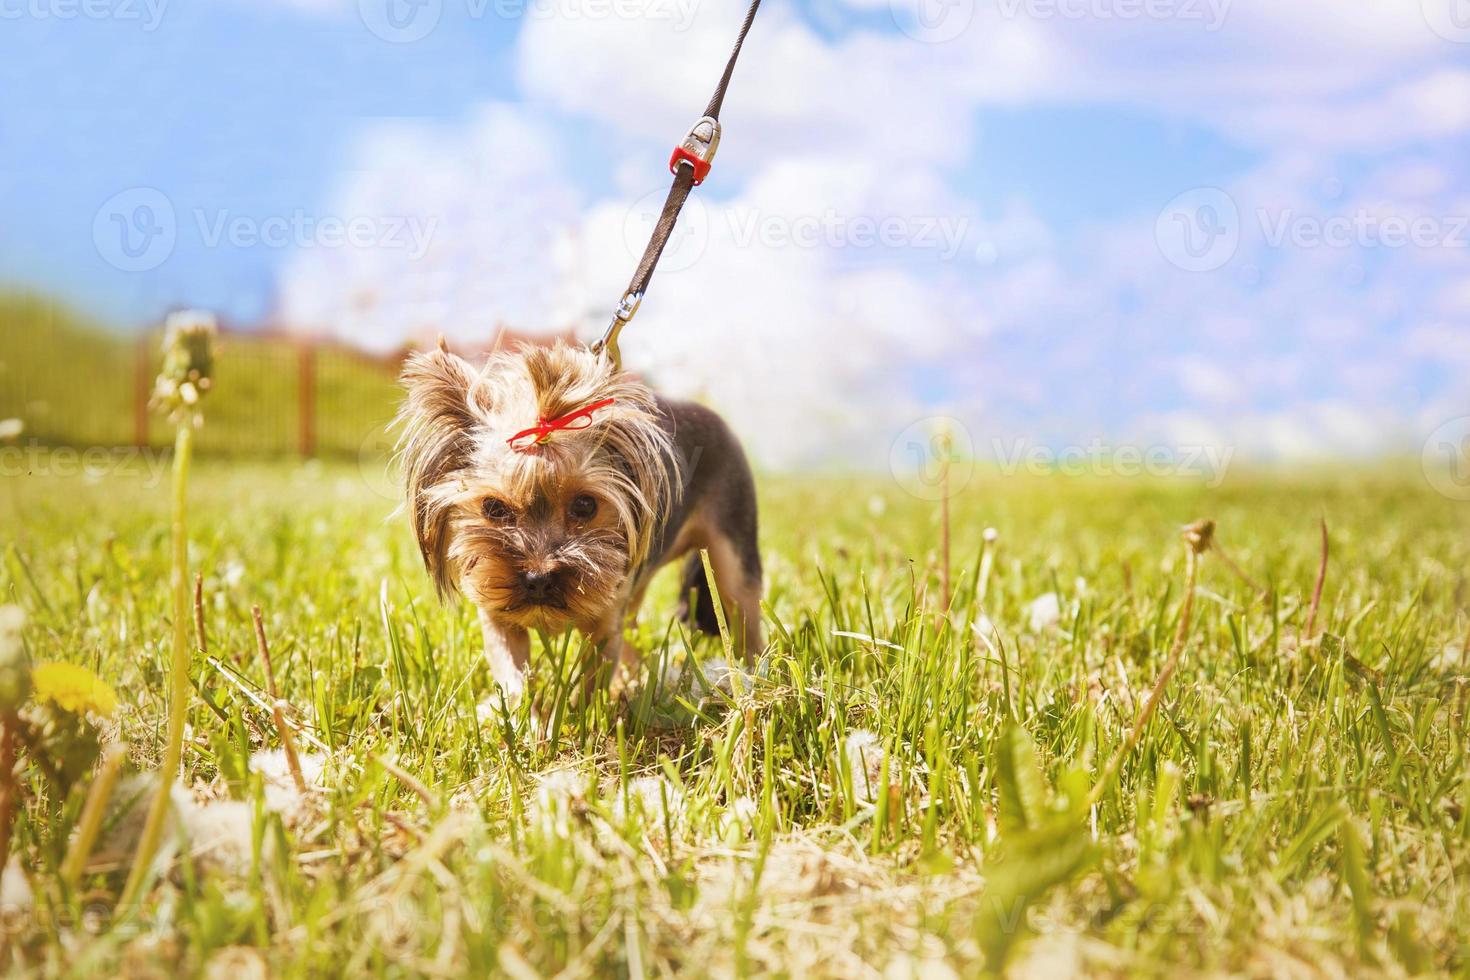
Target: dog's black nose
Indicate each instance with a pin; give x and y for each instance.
(539, 586)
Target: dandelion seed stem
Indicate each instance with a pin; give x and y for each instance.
(265, 653)
(95, 808)
(1317, 589)
(178, 703)
(200, 637)
(288, 744)
(407, 779)
(944, 536)
(7, 784)
(1197, 539)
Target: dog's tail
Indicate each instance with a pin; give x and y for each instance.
(696, 605)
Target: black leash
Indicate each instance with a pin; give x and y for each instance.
(690, 164)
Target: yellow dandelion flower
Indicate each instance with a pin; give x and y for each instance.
(74, 688)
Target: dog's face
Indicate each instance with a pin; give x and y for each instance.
(541, 536)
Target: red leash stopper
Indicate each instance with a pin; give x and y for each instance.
(697, 149)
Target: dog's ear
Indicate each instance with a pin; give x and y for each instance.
(435, 427)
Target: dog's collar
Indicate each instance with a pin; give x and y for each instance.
(528, 439)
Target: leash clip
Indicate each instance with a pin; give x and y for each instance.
(697, 149)
(627, 307)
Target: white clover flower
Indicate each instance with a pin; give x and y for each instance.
(713, 674)
(12, 621)
(862, 753)
(552, 805)
(281, 792)
(234, 574)
(738, 817)
(1044, 612)
(652, 798)
(221, 835)
(559, 788)
(15, 889)
(15, 666)
(1450, 658)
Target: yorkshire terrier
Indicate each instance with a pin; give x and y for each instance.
(548, 487)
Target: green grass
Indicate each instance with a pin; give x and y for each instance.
(1292, 808)
(74, 382)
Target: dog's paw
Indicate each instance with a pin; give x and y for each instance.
(503, 698)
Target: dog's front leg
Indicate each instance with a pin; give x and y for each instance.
(508, 650)
(615, 659)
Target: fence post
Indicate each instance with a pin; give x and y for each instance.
(306, 400)
(141, 389)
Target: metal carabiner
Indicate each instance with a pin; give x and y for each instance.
(608, 345)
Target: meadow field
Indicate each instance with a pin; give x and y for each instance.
(76, 381)
(900, 789)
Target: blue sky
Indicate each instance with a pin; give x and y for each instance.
(1179, 223)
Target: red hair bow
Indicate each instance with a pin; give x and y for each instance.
(528, 439)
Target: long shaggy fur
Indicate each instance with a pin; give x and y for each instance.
(453, 452)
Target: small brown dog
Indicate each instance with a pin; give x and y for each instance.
(548, 488)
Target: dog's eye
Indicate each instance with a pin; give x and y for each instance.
(583, 507)
(496, 509)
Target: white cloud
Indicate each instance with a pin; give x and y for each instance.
(1432, 106)
(311, 7)
(778, 305)
(496, 210)
(775, 304)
